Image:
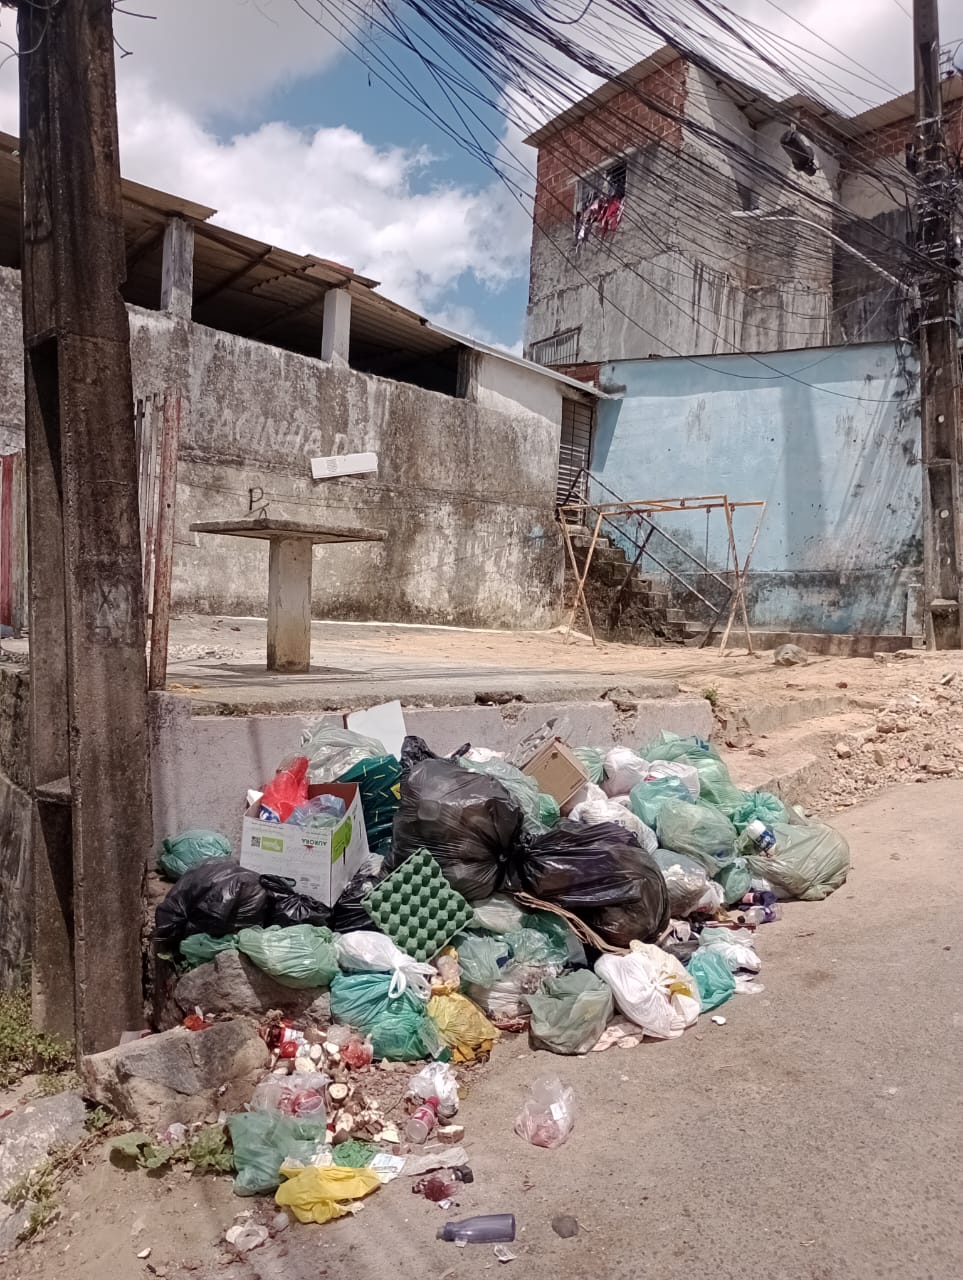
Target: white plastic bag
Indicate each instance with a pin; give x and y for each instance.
(624, 769)
(364, 951)
(436, 1080)
(332, 751)
(597, 807)
(735, 946)
(548, 1115)
(686, 773)
(641, 984)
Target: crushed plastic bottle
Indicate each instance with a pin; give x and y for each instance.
(489, 1228)
(422, 1122)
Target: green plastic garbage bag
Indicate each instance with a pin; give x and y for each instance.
(378, 780)
(296, 955)
(699, 830)
(762, 806)
(808, 862)
(715, 784)
(190, 849)
(498, 914)
(647, 798)
(736, 880)
(200, 948)
(531, 946)
(593, 761)
(479, 957)
(566, 946)
(569, 1013)
(399, 1027)
(522, 788)
(713, 977)
(263, 1140)
(549, 814)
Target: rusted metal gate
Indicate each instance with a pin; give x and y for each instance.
(575, 452)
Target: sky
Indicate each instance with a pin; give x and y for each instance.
(250, 107)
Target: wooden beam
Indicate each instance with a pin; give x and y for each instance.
(244, 269)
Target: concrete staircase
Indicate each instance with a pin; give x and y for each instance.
(625, 605)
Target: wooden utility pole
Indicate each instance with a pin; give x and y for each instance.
(939, 344)
(89, 745)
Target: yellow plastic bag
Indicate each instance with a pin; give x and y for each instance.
(314, 1195)
(462, 1026)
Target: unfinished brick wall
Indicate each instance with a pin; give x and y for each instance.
(890, 141)
(583, 372)
(624, 122)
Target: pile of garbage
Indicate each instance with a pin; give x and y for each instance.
(588, 898)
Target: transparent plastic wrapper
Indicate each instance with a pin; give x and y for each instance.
(593, 762)
(648, 798)
(734, 946)
(652, 988)
(301, 1094)
(688, 884)
(462, 1026)
(761, 806)
(548, 1116)
(436, 1080)
(217, 897)
(570, 1012)
(713, 977)
(263, 1140)
(699, 830)
(498, 914)
(331, 751)
(481, 959)
(299, 956)
(399, 1026)
(318, 813)
(201, 948)
(808, 862)
(522, 788)
(467, 821)
(624, 769)
(366, 951)
(190, 849)
(597, 807)
(735, 880)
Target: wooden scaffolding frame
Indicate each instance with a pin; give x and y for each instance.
(577, 512)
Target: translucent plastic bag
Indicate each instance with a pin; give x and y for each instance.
(263, 1140)
(808, 862)
(201, 948)
(548, 1116)
(369, 952)
(598, 807)
(481, 959)
(190, 849)
(522, 788)
(498, 914)
(687, 882)
(301, 1094)
(734, 946)
(332, 751)
(623, 770)
(681, 769)
(762, 806)
(508, 998)
(399, 1027)
(646, 800)
(565, 945)
(735, 880)
(549, 814)
(531, 946)
(642, 983)
(713, 978)
(299, 956)
(436, 1080)
(467, 821)
(699, 830)
(462, 1026)
(570, 1012)
(592, 761)
(715, 784)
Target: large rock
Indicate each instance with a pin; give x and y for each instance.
(231, 984)
(790, 655)
(31, 1132)
(179, 1075)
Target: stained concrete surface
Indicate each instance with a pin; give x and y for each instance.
(813, 1137)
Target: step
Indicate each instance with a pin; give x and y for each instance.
(824, 643)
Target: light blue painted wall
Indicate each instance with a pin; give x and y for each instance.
(829, 437)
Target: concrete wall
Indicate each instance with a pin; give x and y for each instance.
(465, 487)
(829, 438)
(11, 362)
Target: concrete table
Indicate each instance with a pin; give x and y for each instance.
(289, 580)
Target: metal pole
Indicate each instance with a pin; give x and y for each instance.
(938, 345)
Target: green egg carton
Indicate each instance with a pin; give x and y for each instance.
(417, 908)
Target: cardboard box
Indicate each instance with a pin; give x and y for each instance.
(320, 862)
(557, 770)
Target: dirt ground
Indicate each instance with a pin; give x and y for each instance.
(811, 1137)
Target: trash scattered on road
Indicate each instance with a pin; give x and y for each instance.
(464, 906)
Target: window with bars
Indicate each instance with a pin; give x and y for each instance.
(605, 183)
(560, 349)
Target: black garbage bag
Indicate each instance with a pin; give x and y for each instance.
(467, 821)
(601, 874)
(415, 749)
(287, 906)
(348, 912)
(217, 897)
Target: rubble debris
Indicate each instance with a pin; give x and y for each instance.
(790, 655)
(232, 984)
